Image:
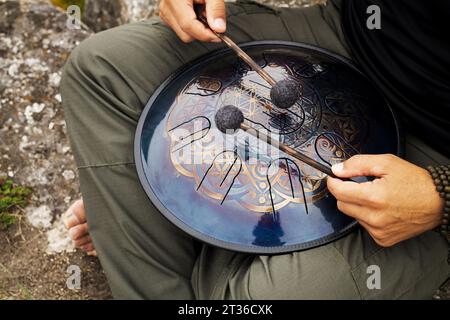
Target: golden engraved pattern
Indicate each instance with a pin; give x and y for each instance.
(226, 174)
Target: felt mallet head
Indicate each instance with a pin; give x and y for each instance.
(228, 118)
(285, 93)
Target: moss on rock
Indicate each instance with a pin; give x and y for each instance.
(11, 197)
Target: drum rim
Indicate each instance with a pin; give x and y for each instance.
(250, 249)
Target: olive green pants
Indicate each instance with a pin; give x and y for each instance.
(107, 81)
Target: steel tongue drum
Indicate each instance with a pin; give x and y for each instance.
(238, 191)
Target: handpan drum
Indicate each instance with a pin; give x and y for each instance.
(239, 193)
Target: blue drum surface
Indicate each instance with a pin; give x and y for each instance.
(237, 192)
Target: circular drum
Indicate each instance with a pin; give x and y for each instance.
(237, 192)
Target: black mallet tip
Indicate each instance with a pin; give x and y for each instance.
(228, 118)
(285, 93)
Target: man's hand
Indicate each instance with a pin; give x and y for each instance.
(400, 204)
(180, 16)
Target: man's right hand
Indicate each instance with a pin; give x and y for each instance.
(181, 17)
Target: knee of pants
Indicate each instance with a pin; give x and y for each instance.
(90, 62)
(101, 100)
(80, 61)
(115, 72)
(121, 67)
(82, 81)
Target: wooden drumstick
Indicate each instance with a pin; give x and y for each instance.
(283, 93)
(233, 46)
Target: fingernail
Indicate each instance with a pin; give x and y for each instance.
(219, 24)
(216, 40)
(71, 220)
(337, 167)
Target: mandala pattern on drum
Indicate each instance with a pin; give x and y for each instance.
(237, 168)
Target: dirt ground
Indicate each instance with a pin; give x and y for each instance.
(35, 252)
(28, 272)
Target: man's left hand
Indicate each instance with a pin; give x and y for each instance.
(399, 204)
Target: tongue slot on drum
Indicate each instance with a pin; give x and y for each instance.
(197, 126)
(233, 162)
(286, 163)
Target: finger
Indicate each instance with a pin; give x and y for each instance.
(382, 238)
(184, 15)
(350, 209)
(360, 213)
(355, 211)
(366, 219)
(365, 225)
(373, 219)
(352, 192)
(170, 21)
(216, 15)
(197, 30)
(370, 230)
(78, 231)
(363, 165)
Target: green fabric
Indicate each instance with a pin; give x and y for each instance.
(107, 81)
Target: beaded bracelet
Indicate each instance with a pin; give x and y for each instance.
(441, 178)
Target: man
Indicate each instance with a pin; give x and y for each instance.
(109, 78)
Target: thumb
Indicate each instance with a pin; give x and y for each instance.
(216, 15)
(362, 165)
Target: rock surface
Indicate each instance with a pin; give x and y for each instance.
(34, 151)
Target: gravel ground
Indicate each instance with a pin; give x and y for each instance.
(35, 253)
